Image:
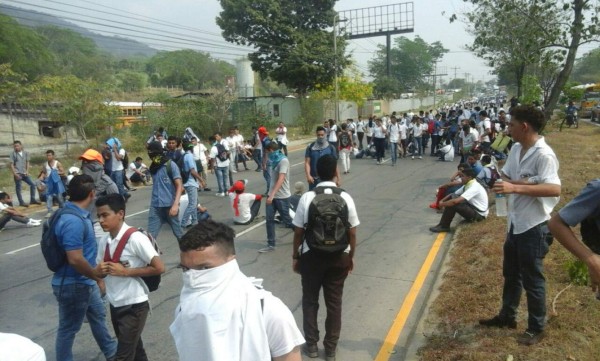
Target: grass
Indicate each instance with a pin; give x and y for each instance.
(471, 288)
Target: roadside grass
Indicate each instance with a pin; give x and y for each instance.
(471, 288)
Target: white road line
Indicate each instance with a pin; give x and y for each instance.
(22, 249)
(144, 211)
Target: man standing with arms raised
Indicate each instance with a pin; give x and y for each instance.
(530, 178)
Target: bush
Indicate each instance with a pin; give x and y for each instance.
(578, 272)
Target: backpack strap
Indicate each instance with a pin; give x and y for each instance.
(116, 257)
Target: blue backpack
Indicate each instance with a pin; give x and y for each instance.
(53, 252)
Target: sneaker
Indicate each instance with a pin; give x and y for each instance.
(438, 229)
(266, 249)
(529, 338)
(234, 171)
(33, 222)
(35, 202)
(48, 215)
(420, 157)
(413, 157)
(499, 322)
(311, 350)
(24, 205)
(206, 189)
(220, 194)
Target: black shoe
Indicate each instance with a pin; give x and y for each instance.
(311, 350)
(207, 189)
(36, 202)
(499, 322)
(330, 355)
(529, 338)
(24, 204)
(438, 229)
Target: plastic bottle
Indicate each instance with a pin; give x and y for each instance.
(501, 207)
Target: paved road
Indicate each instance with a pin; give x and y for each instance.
(393, 243)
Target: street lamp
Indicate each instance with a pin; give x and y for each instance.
(336, 20)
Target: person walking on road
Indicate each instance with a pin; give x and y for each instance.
(78, 284)
(530, 176)
(322, 268)
(20, 165)
(314, 151)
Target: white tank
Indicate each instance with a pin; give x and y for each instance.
(245, 78)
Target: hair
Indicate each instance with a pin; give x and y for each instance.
(50, 151)
(212, 139)
(320, 128)
(137, 159)
(486, 159)
(17, 142)
(209, 233)
(483, 113)
(326, 166)
(187, 145)
(466, 127)
(80, 187)
(3, 196)
(114, 201)
(469, 172)
(344, 126)
(463, 166)
(273, 146)
(217, 133)
(530, 115)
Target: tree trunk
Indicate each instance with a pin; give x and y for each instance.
(520, 73)
(564, 74)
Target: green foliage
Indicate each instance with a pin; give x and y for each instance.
(131, 81)
(570, 94)
(24, 49)
(531, 90)
(311, 110)
(293, 40)
(189, 69)
(587, 68)
(411, 62)
(578, 272)
(10, 83)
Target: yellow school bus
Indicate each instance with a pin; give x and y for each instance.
(133, 112)
(590, 101)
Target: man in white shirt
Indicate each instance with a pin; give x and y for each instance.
(222, 313)
(484, 128)
(467, 141)
(138, 172)
(417, 131)
(470, 201)
(394, 133)
(201, 158)
(117, 175)
(403, 129)
(219, 156)
(239, 141)
(530, 178)
(233, 150)
(245, 206)
(125, 255)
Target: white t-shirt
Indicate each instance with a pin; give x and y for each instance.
(138, 252)
(378, 131)
(282, 135)
(539, 163)
(15, 347)
(200, 153)
(448, 152)
(467, 141)
(301, 217)
(360, 126)
(214, 152)
(417, 130)
(116, 164)
(332, 137)
(244, 202)
(394, 130)
(132, 168)
(483, 125)
(476, 195)
(403, 130)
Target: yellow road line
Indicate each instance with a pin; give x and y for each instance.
(394, 333)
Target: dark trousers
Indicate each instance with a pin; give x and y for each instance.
(128, 323)
(329, 272)
(26, 179)
(464, 209)
(523, 268)
(435, 141)
(379, 148)
(5, 218)
(257, 156)
(361, 135)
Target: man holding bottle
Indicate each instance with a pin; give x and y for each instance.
(530, 179)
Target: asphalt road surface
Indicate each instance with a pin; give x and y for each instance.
(393, 245)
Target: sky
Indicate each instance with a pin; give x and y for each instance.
(179, 24)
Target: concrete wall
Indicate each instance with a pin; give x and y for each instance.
(286, 110)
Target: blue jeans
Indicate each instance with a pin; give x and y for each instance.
(257, 156)
(190, 211)
(283, 207)
(50, 201)
(26, 179)
(76, 301)
(267, 177)
(157, 216)
(419, 145)
(394, 150)
(222, 174)
(117, 177)
(523, 268)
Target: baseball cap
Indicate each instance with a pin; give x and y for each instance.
(238, 186)
(155, 147)
(92, 155)
(263, 130)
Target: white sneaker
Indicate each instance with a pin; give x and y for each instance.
(420, 157)
(413, 157)
(33, 223)
(266, 249)
(220, 194)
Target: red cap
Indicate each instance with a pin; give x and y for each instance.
(263, 130)
(238, 186)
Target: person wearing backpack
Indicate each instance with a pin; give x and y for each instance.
(219, 156)
(324, 245)
(122, 267)
(314, 151)
(345, 147)
(77, 283)
(166, 192)
(470, 201)
(117, 154)
(191, 183)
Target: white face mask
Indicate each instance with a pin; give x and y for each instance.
(208, 278)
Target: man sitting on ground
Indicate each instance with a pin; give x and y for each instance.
(245, 206)
(470, 201)
(8, 213)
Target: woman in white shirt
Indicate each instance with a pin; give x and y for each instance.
(282, 140)
(417, 128)
(379, 134)
(360, 131)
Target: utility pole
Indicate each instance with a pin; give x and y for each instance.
(467, 83)
(455, 69)
(435, 75)
(336, 20)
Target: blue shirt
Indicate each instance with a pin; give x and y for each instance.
(163, 188)
(314, 156)
(73, 234)
(477, 167)
(188, 164)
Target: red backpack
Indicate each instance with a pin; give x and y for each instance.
(430, 126)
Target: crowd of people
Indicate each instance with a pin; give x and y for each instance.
(105, 255)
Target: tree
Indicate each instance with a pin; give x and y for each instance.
(412, 61)
(187, 68)
(529, 29)
(457, 83)
(24, 49)
(11, 83)
(78, 102)
(131, 81)
(293, 39)
(587, 68)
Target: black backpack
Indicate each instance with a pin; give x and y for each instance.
(222, 153)
(344, 139)
(53, 252)
(327, 227)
